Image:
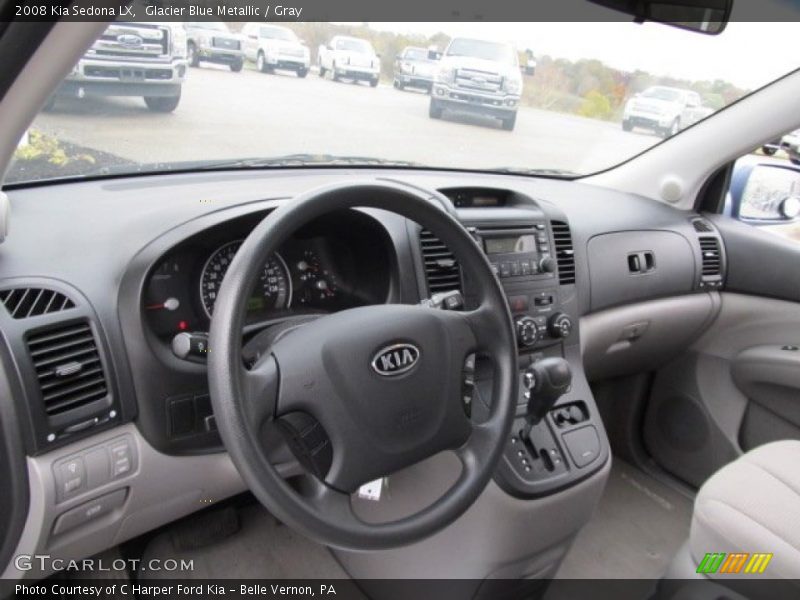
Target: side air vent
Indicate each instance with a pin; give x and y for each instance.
(68, 368)
(22, 303)
(565, 253)
(441, 268)
(712, 257)
(702, 226)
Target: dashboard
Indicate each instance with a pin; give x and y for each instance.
(144, 263)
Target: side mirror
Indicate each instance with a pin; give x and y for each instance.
(329, 46)
(252, 36)
(434, 55)
(765, 194)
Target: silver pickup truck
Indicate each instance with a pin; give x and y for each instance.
(132, 59)
(479, 77)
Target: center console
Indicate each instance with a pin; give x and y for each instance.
(557, 438)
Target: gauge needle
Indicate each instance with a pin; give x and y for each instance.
(169, 304)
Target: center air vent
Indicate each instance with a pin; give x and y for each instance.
(22, 303)
(441, 268)
(565, 253)
(712, 257)
(68, 368)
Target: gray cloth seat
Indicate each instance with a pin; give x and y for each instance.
(751, 505)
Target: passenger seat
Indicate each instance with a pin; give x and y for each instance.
(750, 507)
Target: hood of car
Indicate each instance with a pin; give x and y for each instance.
(653, 105)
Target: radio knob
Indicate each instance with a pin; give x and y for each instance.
(559, 325)
(527, 331)
(547, 265)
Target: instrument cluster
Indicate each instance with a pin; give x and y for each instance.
(319, 270)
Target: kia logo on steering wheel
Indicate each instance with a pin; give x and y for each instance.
(395, 359)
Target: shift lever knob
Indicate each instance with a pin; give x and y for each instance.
(546, 381)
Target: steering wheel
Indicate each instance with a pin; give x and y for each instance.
(382, 385)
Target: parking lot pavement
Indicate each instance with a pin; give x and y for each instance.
(233, 115)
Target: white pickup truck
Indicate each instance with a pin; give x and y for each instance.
(479, 77)
(132, 59)
(349, 58)
(664, 110)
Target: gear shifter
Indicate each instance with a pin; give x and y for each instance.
(545, 381)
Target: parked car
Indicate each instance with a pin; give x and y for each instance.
(790, 143)
(664, 110)
(415, 67)
(132, 59)
(480, 77)
(349, 58)
(274, 47)
(212, 41)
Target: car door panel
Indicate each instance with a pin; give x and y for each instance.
(736, 387)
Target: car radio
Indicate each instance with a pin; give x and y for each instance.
(523, 259)
(519, 254)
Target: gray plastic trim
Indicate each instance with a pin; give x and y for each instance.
(643, 336)
(161, 489)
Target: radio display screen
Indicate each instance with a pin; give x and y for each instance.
(518, 244)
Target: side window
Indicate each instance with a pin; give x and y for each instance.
(765, 187)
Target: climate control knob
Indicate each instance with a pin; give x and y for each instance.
(559, 325)
(527, 331)
(547, 265)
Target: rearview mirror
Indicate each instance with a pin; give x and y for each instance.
(766, 194)
(702, 16)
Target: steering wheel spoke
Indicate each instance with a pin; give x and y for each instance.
(260, 390)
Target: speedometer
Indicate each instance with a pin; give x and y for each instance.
(273, 291)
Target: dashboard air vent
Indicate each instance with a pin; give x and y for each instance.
(441, 268)
(702, 226)
(22, 303)
(712, 256)
(68, 368)
(565, 253)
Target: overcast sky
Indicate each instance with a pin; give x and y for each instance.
(746, 54)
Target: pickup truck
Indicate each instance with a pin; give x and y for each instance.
(349, 58)
(664, 110)
(212, 41)
(478, 77)
(415, 67)
(132, 59)
(274, 47)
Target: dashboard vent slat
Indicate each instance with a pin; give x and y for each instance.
(702, 226)
(441, 268)
(22, 303)
(565, 252)
(68, 368)
(712, 256)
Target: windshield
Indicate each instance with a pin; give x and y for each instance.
(278, 33)
(571, 109)
(211, 25)
(415, 54)
(492, 51)
(659, 93)
(354, 46)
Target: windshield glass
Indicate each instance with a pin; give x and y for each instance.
(491, 51)
(560, 99)
(211, 25)
(278, 33)
(354, 46)
(416, 54)
(660, 93)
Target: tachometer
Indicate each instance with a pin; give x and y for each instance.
(273, 291)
